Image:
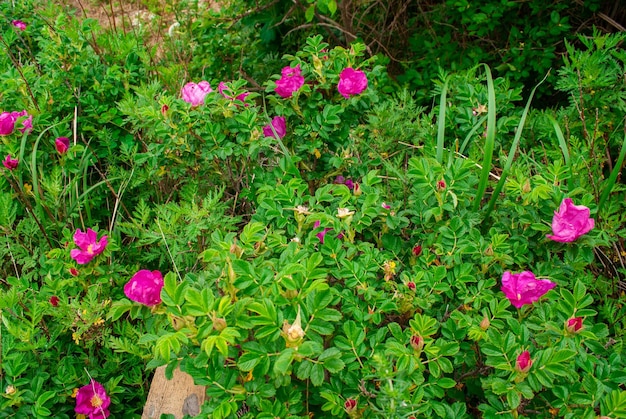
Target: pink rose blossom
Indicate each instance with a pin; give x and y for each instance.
(27, 123)
(523, 362)
(290, 82)
(7, 123)
(145, 287)
(62, 144)
(279, 124)
(89, 246)
(92, 401)
(195, 93)
(19, 25)
(351, 82)
(570, 222)
(322, 233)
(524, 288)
(9, 162)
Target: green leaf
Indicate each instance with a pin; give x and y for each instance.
(310, 13)
(317, 374)
(282, 363)
(446, 382)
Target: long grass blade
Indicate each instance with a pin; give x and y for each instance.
(489, 141)
(512, 151)
(471, 134)
(441, 122)
(613, 176)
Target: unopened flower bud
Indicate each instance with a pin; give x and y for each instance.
(293, 332)
(523, 362)
(350, 405)
(411, 285)
(574, 324)
(526, 187)
(441, 185)
(417, 250)
(357, 189)
(236, 250)
(417, 342)
(9, 390)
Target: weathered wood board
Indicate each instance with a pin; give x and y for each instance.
(178, 396)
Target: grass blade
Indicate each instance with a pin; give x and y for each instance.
(490, 140)
(512, 151)
(613, 176)
(441, 122)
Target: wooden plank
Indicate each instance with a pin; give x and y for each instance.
(178, 396)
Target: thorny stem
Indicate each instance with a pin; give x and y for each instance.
(29, 208)
(18, 67)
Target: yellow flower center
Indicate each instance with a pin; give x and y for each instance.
(90, 249)
(96, 401)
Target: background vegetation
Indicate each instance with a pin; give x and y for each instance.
(350, 268)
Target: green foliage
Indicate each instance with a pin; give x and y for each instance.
(350, 268)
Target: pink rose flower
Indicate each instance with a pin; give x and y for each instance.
(523, 362)
(27, 123)
(570, 222)
(322, 233)
(195, 93)
(279, 124)
(62, 144)
(7, 123)
(89, 246)
(223, 87)
(524, 288)
(351, 82)
(145, 287)
(9, 162)
(92, 401)
(290, 82)
(19, 25)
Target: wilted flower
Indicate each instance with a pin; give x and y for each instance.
(574, 324)
(344, 212)
(389, 268)
(290, 82)
(523, 362)
(62, 144)
(570, 222)
(145, 287)
(480, 109)
(9, 390)
(351, 82)
(293, 332)
(417, 342)
(92, 401)
(10, 163)
(19, 25)
(223, 87)
(7, 123)
(485, 323)
(385, 206)
(279, 124)
(89, 246)
(195, 93)
(524, 288)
